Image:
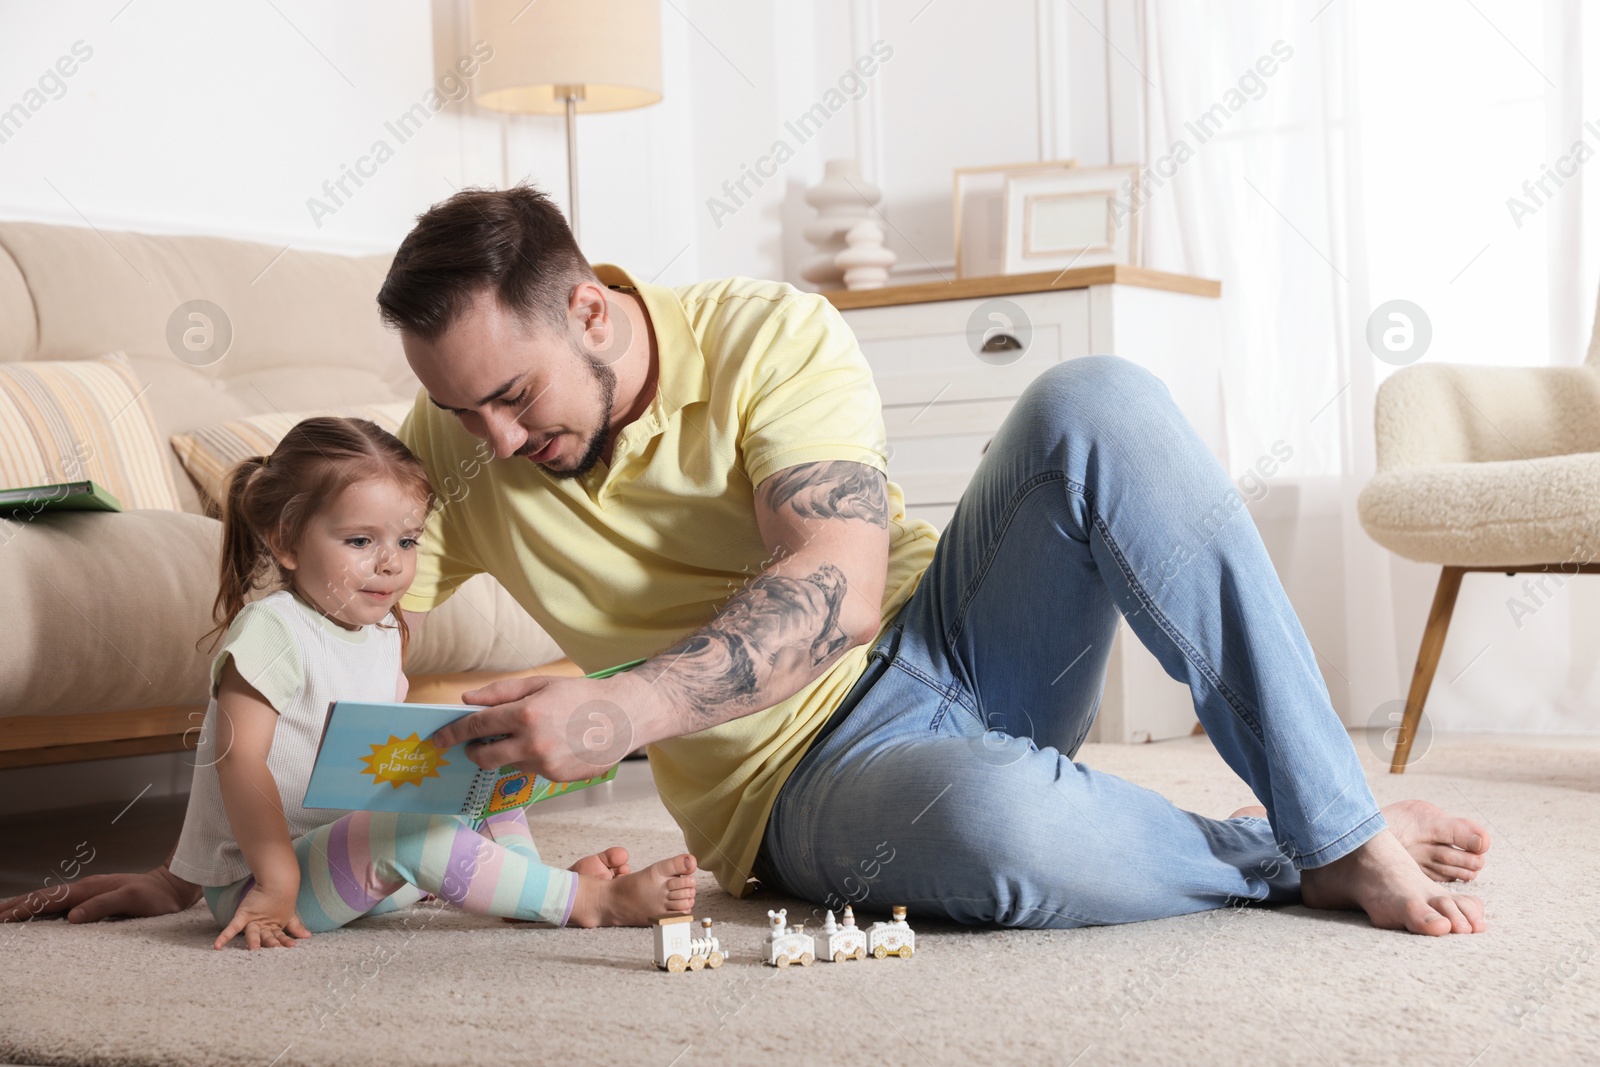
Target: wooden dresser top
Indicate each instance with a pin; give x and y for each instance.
(1012, 284)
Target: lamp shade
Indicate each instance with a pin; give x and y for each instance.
(609, 48)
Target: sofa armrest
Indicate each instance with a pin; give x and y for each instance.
(1453, 413)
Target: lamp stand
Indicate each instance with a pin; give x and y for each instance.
(571, 94)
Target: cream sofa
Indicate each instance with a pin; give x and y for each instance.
(101, 612)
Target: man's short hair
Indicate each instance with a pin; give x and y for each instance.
(513, 242)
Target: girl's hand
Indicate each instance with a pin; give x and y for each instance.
(267, 919)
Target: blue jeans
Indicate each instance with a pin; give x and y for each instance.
(945, 780)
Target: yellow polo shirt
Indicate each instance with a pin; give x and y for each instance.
(754, 376)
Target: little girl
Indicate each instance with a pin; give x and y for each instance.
(335, 514)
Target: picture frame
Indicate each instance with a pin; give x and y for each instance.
(978, 204)
(1059, 220)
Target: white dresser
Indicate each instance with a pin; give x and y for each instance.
(951, 359)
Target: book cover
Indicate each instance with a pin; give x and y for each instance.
(380, 757)
(60, 496)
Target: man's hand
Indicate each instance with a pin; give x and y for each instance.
(102, 896)
(566, 729)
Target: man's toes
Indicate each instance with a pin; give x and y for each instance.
(1446, 864)
(1468, 836)
(614, 857)
(681, 864)
(1471, 909)
(1423, 918)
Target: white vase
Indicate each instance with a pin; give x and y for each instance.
(865, 261)
(842, 199)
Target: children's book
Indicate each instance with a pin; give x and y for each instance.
(61, 496)
(381, 757)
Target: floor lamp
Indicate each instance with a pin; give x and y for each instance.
(554, 57)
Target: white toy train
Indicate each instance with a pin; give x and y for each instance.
(839, 941)
(677, 950)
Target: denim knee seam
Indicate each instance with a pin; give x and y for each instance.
(1190, 653)
(1013, 506)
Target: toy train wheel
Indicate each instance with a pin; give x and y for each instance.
(806, 959)
(783, 961)
(861, 953)
(879, 952)
(905, 952)
(839, 956)
(696, 962)
(714, 960)
(675, 963)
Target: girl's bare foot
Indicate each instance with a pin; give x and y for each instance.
(631, 899)
(609, 863)
(1447, 848)
(1381, 879)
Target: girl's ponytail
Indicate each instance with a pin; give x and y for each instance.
(244, 549)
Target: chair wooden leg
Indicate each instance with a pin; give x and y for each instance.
(1444, 603)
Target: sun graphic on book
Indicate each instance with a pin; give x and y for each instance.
(404, 761)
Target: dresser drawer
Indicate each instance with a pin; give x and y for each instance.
(920, 353)
(935, 470)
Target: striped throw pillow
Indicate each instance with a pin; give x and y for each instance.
(210, 453)
(64, 421)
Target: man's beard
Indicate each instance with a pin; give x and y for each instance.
(606, 380)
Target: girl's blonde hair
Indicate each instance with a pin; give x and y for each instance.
(271, 499)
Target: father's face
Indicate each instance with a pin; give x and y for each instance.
(535, 393)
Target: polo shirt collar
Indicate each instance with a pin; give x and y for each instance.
(681, 377)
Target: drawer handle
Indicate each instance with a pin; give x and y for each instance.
(1001, 342)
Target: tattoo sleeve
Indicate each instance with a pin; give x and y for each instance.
(786, 623)
(833, 490)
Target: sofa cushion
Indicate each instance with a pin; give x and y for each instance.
(103, 612)
(209, 453)
(304, 325)
(64, 421)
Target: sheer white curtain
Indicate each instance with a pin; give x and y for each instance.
(1322, 158)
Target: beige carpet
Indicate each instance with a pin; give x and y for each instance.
(1251, 986)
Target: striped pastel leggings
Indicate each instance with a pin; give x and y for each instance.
(372, 862)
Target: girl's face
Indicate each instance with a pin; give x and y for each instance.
(359, 553)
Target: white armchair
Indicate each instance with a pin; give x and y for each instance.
(1484, 469)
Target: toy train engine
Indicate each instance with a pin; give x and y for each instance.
(893, 938)
(788, 944)
(678, 950)
(840, 942)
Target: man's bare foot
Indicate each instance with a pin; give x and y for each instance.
(631, 899)
(1447, 848)
(1381, 879)
(610, 863)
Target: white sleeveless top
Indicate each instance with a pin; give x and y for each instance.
(300, 661)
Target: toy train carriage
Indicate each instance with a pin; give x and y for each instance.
(893, 938)
(838, 942)
(677, 949)
(788, 944)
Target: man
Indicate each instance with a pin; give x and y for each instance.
(839, 702)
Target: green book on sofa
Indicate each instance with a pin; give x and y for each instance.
(62, 496)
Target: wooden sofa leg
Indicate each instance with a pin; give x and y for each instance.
(1444, 603)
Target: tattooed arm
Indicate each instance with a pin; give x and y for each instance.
(826, 529)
